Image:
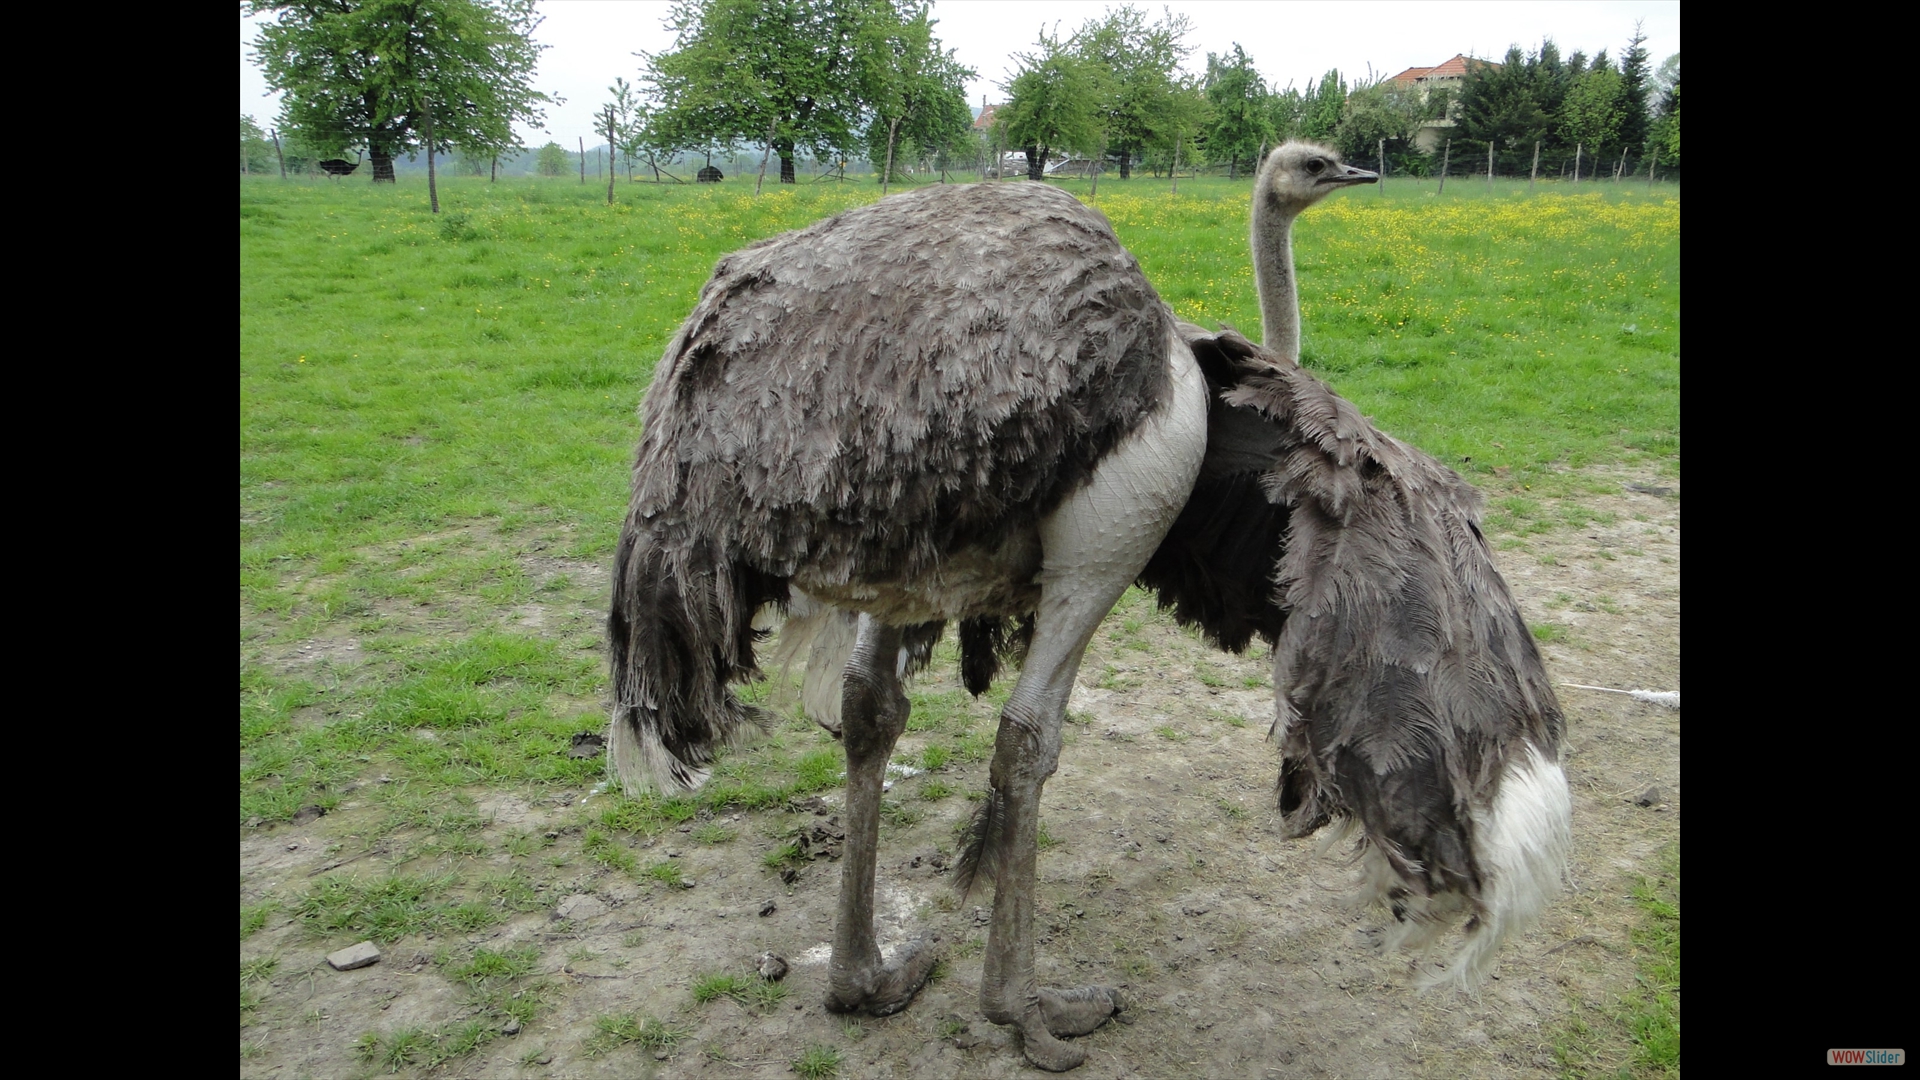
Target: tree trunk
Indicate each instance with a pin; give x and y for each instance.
(764, 155)
(1178, 140)
(382, 164)
(1126, 163)
(1036, 168)
(433, 185)
(1535, 174)
(1446, 152)
(784, 148)
(609, 155)
(493, 171)
(583, 157)
(893, 129)
(277, 154)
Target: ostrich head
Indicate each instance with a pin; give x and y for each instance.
(1298, 174)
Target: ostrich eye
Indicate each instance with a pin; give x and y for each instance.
(1316, 165)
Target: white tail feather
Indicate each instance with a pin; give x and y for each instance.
(1521, 843)
(1669, 698)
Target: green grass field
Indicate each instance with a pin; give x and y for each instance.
(437, 415)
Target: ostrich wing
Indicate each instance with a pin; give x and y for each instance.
(1407, 682)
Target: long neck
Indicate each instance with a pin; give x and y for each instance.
(1273, 277)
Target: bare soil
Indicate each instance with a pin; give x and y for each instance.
(1165, 877)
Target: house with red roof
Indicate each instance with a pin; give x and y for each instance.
(1447, 76)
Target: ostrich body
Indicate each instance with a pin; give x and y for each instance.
(967, 403)
(962, 403)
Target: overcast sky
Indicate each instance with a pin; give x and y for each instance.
(592, 41)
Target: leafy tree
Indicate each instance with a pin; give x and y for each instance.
(1665, 78)
(1241, 120)
(1287, 112)
(1592, 112)
(376, 73)
(1184, 120)
(1140, 100)
(1386, 111)
(1321, 108)
(1053, 103)
(256, 153)
(1665, 132)
(789, 72)
(916, 91)
(552, 160)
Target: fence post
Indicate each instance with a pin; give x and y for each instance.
(1446, 152)
(278, 155)
(1535, 174)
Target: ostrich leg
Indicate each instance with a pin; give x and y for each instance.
(1095, 545)
(873, 713)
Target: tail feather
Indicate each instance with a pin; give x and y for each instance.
(680, 632)
(825, 634)
(985, 846)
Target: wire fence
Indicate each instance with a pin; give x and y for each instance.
(592, 160)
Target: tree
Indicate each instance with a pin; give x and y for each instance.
(1384, 110)
(369, 72)
(1321, 108)
(552, 160)
(1241, 121)
(1635, 109)
(785, 72)
(1665, 133)
(256, 153)
(1053, 103)
(916, 91)
(1592, 112)
(1502, 103)
(1139, 103)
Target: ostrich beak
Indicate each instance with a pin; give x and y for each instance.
(1350, 175)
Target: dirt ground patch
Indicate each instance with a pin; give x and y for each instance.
(1165, 876)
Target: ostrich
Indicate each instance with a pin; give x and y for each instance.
(1295, 176)
(967, 404)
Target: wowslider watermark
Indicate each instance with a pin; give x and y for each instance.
(1866, 1057)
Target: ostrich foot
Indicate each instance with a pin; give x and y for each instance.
(892, 987)
(1077, 1011)
(1057, 1014)
(1048, 1052)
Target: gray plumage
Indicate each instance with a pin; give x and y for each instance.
(1407, 682)
(967, 403)
(857, 401)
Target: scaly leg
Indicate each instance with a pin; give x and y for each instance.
(1095, 544)
(873, 713)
